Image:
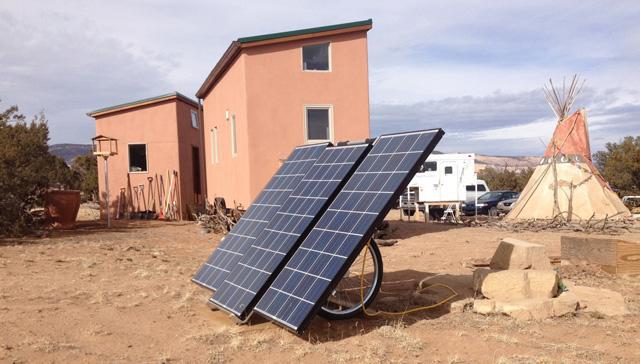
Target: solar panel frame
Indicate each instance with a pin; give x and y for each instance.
(257, 216)
(271, 250)
(364, 237)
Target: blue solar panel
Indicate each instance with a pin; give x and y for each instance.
(258, 215)
(267, 254)
(348, 223)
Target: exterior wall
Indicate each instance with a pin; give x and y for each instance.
(277, 91)
(154, 125)
(229, 177)
(189, 137)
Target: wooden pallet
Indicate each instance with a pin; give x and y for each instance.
(614, 256)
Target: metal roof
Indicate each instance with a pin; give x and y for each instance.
(150, 100)
(237, 45)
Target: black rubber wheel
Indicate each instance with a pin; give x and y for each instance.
(347, 292)
(493, 212)
(408, 212)
(436, 214)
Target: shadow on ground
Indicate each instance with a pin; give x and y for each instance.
(88, 228)
(397, 294)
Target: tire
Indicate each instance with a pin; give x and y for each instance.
(436, 214)
(409, 212)
(343, 313)
(493, 212)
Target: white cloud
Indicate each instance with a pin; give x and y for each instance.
(468, 66)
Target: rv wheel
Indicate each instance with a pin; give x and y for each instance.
(409, 212)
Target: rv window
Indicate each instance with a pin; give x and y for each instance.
(429, 167)
(137, 157)
(481, 188)
(448, 170)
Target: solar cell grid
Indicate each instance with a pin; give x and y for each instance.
(266, 255)
(339, 235)
(258, 215)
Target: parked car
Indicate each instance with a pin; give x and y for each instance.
(506, 205)
(488, 203)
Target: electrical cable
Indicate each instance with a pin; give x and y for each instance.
(405, 312)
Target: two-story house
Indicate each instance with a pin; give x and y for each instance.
(269, 93)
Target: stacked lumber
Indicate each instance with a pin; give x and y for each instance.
(614, 256)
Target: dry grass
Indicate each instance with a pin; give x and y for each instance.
(398, 333)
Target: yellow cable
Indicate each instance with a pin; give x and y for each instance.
(401, 313)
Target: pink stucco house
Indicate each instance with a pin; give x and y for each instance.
(269, 93)
(266, 95)
(154, 135)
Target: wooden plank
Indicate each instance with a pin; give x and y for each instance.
(589, 250)
(613, 255)
(628, 258)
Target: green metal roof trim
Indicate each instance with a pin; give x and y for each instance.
(144, 101)
(292, 33)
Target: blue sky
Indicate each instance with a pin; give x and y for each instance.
(474, 68)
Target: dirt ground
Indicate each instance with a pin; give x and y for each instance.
(124, 295)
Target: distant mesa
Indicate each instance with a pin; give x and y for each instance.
(69, 152)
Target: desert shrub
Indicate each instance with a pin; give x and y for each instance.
(619, 163)
(505, 179)
(86, 167)
(26, 169)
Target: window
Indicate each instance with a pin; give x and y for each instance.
(234, 138)
(214, 145)
(481, 188)
(137, 157)
(194, 119)
(448, 170)
(316, 57)
(429, 167)
(318, 123)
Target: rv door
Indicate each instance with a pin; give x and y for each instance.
(449, 182)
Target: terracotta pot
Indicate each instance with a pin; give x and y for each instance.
(61, 208)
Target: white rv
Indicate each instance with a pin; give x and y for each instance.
(444, 180)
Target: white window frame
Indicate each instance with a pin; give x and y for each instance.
(328, 53)
(146, 156)
(194, 113)
(306, 123)
(214, 146)
(234, 135)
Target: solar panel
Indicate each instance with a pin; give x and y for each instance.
(247, 281)
(258, 215)
(340, 234)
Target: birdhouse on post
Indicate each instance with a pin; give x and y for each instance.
(105, 147)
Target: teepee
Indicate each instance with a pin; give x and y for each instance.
(566, 184)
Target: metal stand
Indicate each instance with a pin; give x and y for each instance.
(106, 186)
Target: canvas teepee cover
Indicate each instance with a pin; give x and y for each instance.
(571, 187)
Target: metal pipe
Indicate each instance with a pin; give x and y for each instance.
(106, 184)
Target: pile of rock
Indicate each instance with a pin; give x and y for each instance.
(522, 283)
